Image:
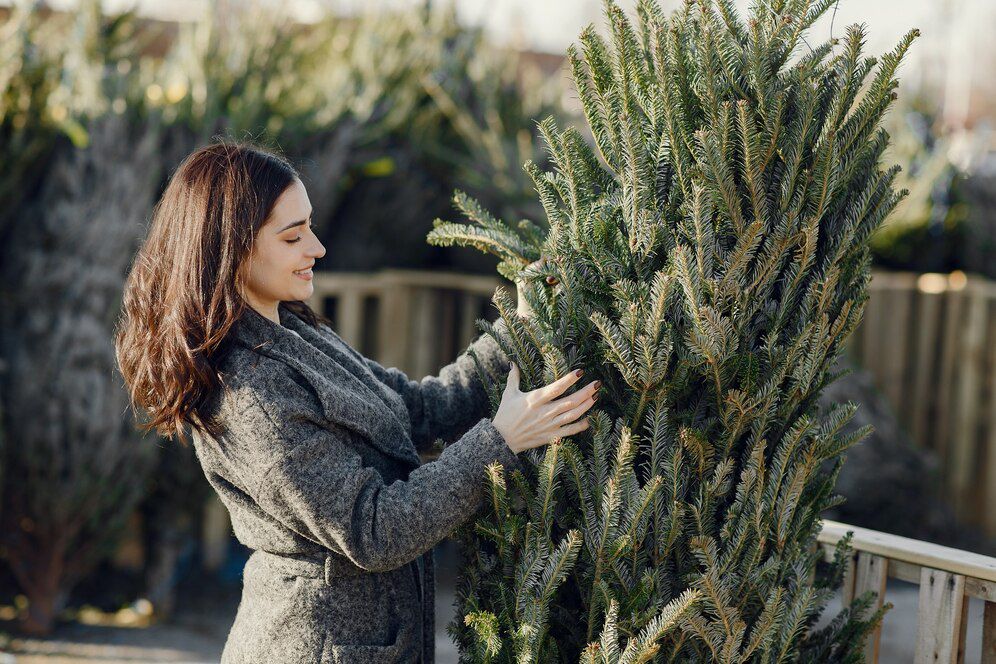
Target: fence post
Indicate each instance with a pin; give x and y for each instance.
(349, 317)
(870, 574)
(940, 617)
(989, 634)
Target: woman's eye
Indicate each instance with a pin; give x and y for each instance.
(310, 228)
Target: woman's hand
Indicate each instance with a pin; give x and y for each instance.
(522, 308)
(531, 419)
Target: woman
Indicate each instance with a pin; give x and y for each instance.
(312, 447)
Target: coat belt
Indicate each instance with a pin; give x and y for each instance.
(328, 567)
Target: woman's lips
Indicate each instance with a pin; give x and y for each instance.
(305, 274)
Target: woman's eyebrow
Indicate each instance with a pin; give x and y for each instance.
(296, 223)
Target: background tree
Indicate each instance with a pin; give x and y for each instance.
(95, 112)
(711, 253)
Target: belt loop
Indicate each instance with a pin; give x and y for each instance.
(328, 570)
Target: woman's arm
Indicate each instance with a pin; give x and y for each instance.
(447, 405)
(312, 480)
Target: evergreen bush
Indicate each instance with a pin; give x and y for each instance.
(711, 258)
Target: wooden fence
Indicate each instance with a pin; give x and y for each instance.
(930, 342)
(947, 579)
(414, 320)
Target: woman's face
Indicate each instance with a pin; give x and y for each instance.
(284, 251)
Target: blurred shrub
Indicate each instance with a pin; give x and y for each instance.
(79, 177)
(385, 115)
(927, 230)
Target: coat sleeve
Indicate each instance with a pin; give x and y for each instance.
(313, 480)
(447, 405)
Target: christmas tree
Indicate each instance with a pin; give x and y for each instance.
(709, 255)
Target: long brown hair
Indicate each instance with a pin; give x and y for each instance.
(182, 295)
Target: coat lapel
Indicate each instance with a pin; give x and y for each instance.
(350, 394)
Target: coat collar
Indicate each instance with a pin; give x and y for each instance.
(350, 394)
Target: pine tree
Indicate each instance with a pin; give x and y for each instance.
(711, 254)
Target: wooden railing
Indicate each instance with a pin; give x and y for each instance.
(414, 320)
(930, 342)
(947, 578)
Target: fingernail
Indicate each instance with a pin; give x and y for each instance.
(594, 397)
(598, 384)
(579, 373)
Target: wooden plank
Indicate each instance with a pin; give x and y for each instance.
(904, 571)
(331, 283)
(871, 335)
(910, 572)
(850, 573)
(924, 366)
(913, 551)
(471, 283)
(424, 349)
(468, 315)
(963, 630)
(394, 335)
(989, 473)
(940, 614)
(896, 327)
(989, 634)
(961, 462)
(349, 317)
(871, 574)
(984, 590)
(446, 329)
(950, 343)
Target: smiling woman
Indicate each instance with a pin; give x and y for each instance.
(313, 448)
(223, 239)
(280, 266)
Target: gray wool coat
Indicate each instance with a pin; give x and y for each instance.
(318, 466)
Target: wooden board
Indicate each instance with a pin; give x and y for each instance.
(940, 613)
(989, 634)
(924, 374)
(926, 554)
(965, 408)
(349, 317)
(989, 476)
(947, 371)
(871, 574)
(895, 328)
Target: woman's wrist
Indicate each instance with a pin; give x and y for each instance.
(505, 438)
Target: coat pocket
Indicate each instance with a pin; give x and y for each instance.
(376, 619)
(401, 651)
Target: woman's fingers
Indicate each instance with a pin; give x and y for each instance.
(564, 404)
(571, 429)
(574, 413)
(557, 387)
(513, 378)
